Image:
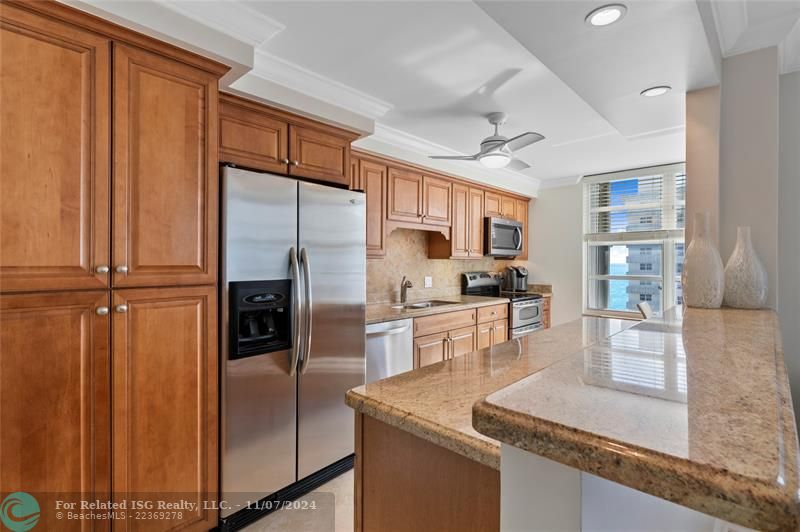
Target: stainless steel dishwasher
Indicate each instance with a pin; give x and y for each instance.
(390, 349)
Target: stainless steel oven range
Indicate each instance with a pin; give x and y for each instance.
(525, 308)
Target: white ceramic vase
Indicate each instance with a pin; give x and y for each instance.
(703, 276)
(745, 276)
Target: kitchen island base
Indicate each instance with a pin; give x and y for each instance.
(406, 483)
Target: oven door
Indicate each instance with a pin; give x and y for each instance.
(526, 313)
(503, 237)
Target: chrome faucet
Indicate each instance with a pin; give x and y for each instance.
(405, 284)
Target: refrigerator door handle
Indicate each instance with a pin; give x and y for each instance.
(297, 315)
(309, 308)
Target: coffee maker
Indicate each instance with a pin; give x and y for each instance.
(516, 279)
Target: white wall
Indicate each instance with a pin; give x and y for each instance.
(749, 157)
(556, 248)
(702, 158)
(789, 224)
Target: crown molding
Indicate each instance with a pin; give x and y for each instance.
(233, 17)
(300, 79)
(730, 20)
(399, 144)
(557, 182)
(789, 51)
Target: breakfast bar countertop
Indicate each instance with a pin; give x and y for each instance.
(435, 402)
(693, 408)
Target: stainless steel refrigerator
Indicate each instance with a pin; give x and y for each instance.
(293, 285)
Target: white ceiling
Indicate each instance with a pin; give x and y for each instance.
(425, 73)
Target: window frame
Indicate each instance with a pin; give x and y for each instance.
(665, 238)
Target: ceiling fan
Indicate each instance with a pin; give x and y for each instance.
(497, 151)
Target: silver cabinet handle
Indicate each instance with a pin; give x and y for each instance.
(309, 325)
(295, 163)
(121, 269)
(101, 311)
(285, 161)
(296, 313)
(122, 309)
(102, 269)
(396, 330)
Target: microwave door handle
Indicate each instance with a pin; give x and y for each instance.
(518, 238)
(296, 313)
(309, 307)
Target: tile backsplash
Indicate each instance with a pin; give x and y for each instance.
(407, 254)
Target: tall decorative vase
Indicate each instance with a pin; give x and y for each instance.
(745, 276)
(703, 277)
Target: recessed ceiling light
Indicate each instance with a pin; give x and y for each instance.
(656, 91)
(605, 15)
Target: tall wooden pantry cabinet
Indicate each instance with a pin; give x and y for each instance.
(108, 257)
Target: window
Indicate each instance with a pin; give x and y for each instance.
(633, 233)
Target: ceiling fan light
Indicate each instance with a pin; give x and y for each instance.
(495, 159)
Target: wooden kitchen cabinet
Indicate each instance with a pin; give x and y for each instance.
(54, 154)
(508, 207)
(436, 194)
(546, 312)
(466, 233)
(165, 400)
(355, 174)
(372, 178)
(430, 349)
(405, 196)
(492, 326)
(521, 213)
(54, 391)
(251, 138)
(316, 154)
(500, 332)
(165, 171)
(484, 334)
(492, 204)
(462, 341)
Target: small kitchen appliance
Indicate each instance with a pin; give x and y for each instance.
(516, 279)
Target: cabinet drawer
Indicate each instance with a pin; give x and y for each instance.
(444, 322)
(495, 312)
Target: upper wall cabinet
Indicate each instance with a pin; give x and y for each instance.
(165, 171)
(492, 204)
(405, 196)
(252, 139)
(508, 207)
(436, 194)
(521, 215)
(54, 212)
(466, 233)
(259, 137)
(373, 181)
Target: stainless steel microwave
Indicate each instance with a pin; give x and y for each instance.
(502, 237)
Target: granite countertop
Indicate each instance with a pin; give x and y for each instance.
(380, 312)
(435, 402)
(694, 409)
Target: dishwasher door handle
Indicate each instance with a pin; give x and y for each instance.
(396, 330)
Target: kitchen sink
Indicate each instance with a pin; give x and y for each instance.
(424, 304)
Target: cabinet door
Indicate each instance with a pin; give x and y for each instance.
(463, 341)
(436, 200)
(165, 399)
(54, 392)
(484, 331)
(355, 175)
(460, 229)
(373, 179)
(521, 213)
(319, 155)
(165, 171)
(492, 204)
(54, 154)
(508, 207)
(430, 349)
(251, 138)
(500, 332)
(475, 222)
(405, 196)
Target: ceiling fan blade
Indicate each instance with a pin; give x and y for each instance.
(517, 164)
(520, 141)
(455, 157)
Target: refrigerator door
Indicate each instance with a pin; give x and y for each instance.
(259, 424)
(332, 235)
